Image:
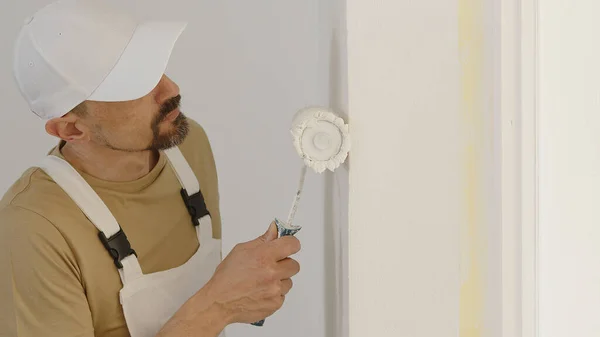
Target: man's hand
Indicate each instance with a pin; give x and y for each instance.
(249, 285)
(252, 281)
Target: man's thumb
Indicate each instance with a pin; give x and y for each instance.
(270, 234)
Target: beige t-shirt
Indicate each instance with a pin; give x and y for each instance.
(56, 277)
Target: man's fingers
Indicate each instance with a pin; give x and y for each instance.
(287, 268)
(284, 247)
(286, 286)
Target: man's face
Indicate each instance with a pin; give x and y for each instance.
(152, 122)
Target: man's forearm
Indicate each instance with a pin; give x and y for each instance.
(200, 316)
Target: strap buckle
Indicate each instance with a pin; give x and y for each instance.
(195, 205)
(118, 246)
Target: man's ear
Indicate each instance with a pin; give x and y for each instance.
(68, 128)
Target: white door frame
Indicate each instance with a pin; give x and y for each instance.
(529, 166)
(519, 92)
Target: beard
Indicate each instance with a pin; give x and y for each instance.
(175, 136)
(177, 133)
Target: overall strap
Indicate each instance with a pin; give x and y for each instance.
(183, 171)
(82, 194)
(110, 233)
(191, 194)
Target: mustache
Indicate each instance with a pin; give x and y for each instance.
(170, 105)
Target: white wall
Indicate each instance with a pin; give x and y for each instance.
(244, 67)
(405, 178)
(425, 230)
(569, 220)
(333, 74)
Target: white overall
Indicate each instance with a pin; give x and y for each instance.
(149, 300)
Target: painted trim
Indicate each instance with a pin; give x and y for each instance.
(510, 31)
(519, 115)
(529, 168)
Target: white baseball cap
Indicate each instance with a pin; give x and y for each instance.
(76, 50)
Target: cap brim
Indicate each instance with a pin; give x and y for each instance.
(142, 64)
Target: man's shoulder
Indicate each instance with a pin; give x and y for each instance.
(196, 129)
(35, 194)
(197, 147)
(198, 152)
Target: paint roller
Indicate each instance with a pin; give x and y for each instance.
(322, 140)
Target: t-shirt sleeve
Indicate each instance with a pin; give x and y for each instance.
(41, 293)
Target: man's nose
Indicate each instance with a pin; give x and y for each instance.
(167, 89)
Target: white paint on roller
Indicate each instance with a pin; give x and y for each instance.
(321, 138)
